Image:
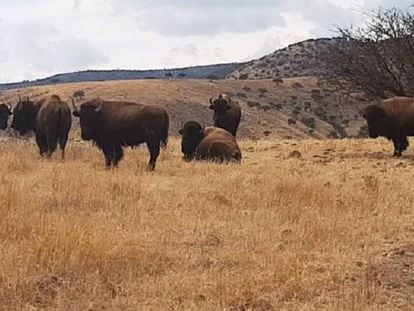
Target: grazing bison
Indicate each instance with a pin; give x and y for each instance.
(5, 112)
(227, 113)
(210, 143)
(49, 118)
(114, 124)
(393, 118)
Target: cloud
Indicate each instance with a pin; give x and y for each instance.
(77, 4)
(374, 4)
(189, 49)
(189, 18)
(41, 48)
(44, 37)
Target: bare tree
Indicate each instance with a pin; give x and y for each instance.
(378, 57)
(79, 94)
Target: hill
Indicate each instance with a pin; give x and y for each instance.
(296, 108)
(219, 71)
(296, 60)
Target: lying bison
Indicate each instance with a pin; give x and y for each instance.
(393, 118)
(114, 124)
(227, 113)
(210, 143)
(48, 117)
(5, 112)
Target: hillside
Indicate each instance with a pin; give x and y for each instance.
(297, 108)
(296, 60)
(219, 71)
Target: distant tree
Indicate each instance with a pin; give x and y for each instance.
(79, 94)
(278, 81)
(181, 75)
(168, 75)
(212, 77)
(243, 76)
(55, 80)
(297, 85)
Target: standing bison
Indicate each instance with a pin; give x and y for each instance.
(114, 124)
(210, 143)
(49, 118)
(227, 113)
(5, 112)
(393, 118)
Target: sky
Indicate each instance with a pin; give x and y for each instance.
(39, 38)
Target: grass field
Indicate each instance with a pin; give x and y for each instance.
(329, 227)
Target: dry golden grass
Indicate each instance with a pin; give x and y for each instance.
(328, 230)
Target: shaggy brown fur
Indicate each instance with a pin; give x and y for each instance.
(210, 143)
(393, 118)
(227, 113)
(5, 112)
(114, 124)
(49, 118)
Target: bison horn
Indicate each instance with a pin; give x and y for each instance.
(211, 100)
(10, 106)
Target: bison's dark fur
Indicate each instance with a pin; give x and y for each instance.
(393, 118)
(210, 143)
(227, 113)
(5, 112)
(49, 118)
(114, 124)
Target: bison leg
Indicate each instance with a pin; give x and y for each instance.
(41, 143)
(400, 144)
(117, 155)
(108, 161)
(51, 144)
(154, 150)
(112, 155)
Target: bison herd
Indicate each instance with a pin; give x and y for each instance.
(112, 125)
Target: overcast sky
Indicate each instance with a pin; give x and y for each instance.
(39, 38)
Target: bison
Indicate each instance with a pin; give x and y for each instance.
(114, 124)
(49, 118)
(227, 113)
(393, 118)
(210, 143)
(5, 112)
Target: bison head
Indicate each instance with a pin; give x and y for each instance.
(5, 112)
(192, 133)
(88, 115)
(375, 116)
(24, 116)
(221, 104)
